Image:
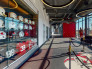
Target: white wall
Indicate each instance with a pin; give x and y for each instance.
(52, 30)
(37, 7)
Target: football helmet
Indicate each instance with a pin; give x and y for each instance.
(33, 22)
(25, 20)
(21, 34)
(30, 27)
(2, 11)
(20, 26)
(12, 25)
(25, 26)
(12, 15)
(1, 24)
(20, 18)
(29, 21)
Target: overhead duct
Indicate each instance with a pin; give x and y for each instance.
(12, 4)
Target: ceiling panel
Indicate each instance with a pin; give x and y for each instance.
(66, 12)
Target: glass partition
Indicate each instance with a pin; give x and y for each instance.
(81, 23)
(18, 33)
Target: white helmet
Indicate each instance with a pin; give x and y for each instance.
(30, 27)
(12, 25)
(25, 26)
(2, 35)
(20, 26)
(25, 20)
(33, 22)
(1, 24)
(12, 15)
(21, 34)
(2, 11)
(20, 18)
(29, 21)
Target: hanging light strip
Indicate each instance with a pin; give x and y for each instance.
(16, 5)
(61, 6)
(77, 15)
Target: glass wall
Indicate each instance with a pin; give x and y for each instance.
(18, 33)
(77, 28)
(81, 23)
(89, 25)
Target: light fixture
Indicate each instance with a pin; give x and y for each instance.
(12, 4)
(78, 14)
(60, 6)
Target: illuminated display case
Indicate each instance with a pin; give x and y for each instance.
(18, 34)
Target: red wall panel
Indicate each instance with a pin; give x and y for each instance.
(69, 29)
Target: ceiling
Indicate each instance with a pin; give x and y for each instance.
(58, 15)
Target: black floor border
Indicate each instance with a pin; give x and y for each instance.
(46, 56)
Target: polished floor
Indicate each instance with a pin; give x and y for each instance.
(52, 54)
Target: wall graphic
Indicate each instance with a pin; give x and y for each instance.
(69, 29)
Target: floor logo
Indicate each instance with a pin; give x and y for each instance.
(76, 64)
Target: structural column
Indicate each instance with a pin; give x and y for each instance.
(85, 25)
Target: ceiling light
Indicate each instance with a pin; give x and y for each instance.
(78, 14)
(61, 6)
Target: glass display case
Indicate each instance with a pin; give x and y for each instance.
(18, 34)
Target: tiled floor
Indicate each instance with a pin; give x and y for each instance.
(52, 56)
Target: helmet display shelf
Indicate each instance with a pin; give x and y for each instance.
(16, 33)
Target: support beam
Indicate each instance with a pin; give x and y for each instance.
(85, 25)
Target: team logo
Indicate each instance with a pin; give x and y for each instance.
(76, 64)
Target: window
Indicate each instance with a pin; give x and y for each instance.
(90, 26)
(83, 27)
(80, 23)
(77, 29)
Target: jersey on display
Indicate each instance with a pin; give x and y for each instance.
(21, 47)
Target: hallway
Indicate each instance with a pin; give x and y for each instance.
(52, 55)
